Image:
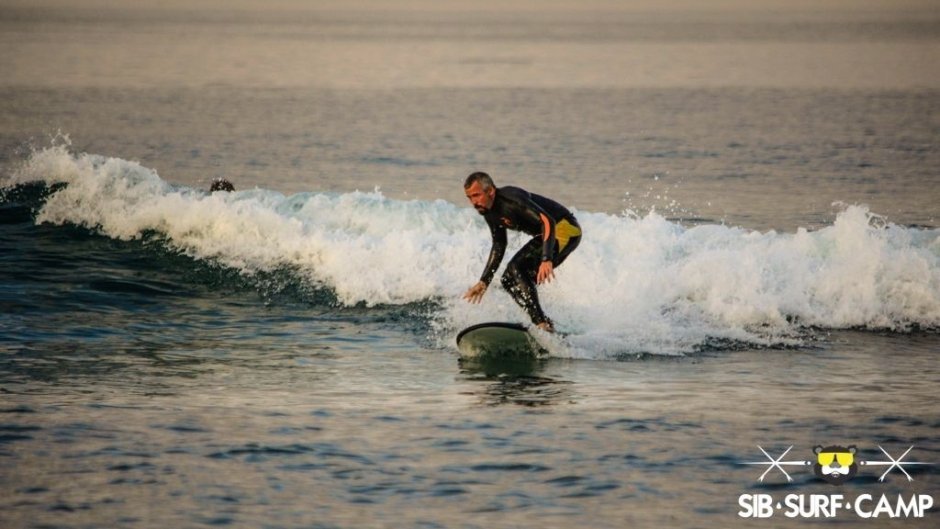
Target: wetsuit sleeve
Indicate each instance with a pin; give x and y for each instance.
(537, 215)
(496, 251)
(548, 235)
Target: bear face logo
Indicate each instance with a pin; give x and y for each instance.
(835, 464)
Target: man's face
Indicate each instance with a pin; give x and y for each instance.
(482, 199)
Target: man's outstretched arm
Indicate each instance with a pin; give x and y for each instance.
(497, 250)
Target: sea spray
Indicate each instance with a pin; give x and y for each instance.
(637, 284)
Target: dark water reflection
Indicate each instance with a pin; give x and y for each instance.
(518, 381)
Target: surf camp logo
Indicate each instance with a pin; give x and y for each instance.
(835, 465)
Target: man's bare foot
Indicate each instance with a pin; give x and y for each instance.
(546, 326)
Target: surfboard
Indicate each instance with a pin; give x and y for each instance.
(498, 339)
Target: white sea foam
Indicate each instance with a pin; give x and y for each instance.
(636, 284)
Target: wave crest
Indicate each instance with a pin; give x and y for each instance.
(636, 284)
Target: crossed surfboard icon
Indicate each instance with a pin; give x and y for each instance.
(891, 463)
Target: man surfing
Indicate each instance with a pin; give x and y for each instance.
(556, 234)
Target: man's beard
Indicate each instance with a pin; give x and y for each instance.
(481, 209)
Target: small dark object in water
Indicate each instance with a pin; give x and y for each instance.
(221, 184)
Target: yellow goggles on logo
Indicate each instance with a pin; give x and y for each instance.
(844, 458)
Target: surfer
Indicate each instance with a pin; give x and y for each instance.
(221, 184)
(556, 234)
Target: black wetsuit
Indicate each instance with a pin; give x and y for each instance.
(556, 234)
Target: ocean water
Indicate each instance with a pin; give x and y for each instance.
(759, 189)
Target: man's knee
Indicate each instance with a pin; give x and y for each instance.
(510, 278)
(517, 275)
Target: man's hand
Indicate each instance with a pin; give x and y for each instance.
(546, 273)
(475, 293)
